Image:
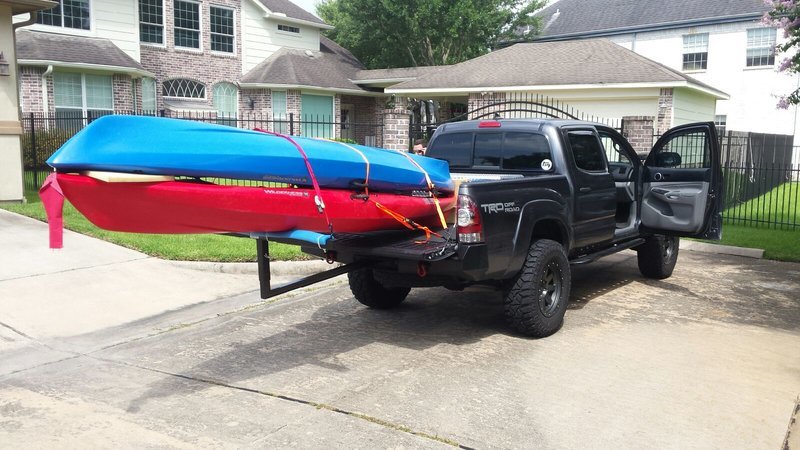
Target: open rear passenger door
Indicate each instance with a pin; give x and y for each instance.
(682, 183)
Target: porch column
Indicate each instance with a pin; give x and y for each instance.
(665, 111)
(639, 132)
(396, 120)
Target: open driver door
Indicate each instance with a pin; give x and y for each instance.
(682, 183)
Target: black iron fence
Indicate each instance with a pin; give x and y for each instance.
(761, 173)
(427, 115)
(43, 135)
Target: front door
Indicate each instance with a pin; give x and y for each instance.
(682, 183)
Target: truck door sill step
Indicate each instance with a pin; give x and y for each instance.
(585, 259)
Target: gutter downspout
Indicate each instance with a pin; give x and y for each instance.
(45, 99)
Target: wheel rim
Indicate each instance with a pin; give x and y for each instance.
(550, 289)
(668, 245)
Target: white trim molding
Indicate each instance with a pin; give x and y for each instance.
(132, 71)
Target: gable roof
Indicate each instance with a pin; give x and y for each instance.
(375, 76)
(291, 10)
(549, 65)
(332, 68)
(42, 48)
(584, 18)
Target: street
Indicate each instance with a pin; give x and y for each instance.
(705, 359)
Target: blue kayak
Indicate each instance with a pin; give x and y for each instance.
(160, 146)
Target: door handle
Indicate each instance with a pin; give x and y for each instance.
(585, 189)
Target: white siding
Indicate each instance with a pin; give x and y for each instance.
(261, 38)
(116, 20)
(691, 106)
(754, 92)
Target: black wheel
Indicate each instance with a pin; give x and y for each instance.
(373, 294)
(537, 299)
(657, 256)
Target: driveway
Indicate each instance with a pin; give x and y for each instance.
(706, 359)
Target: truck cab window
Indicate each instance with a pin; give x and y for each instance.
(526, 151)
(586, 151)
(455, 148)
(487, 150)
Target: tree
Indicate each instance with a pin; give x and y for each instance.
(390, 33)
(785, 14)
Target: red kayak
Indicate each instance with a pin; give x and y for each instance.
(197, 207)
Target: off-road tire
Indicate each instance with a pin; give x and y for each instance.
(657, 256)
(373, 294)
(536, 299)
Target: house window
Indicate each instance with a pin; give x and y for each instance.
(80, 95)
(760, 47)
(226, 103)
(279, 116)
(695, 51)
(183, 88)
(148, 95)
(721, 121)
(221, 29)
(67, 14)
(151, 21)
(187, 24)
(288, 28)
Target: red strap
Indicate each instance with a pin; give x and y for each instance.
(53, 200)
(318, 200)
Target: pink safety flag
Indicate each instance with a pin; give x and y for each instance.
(53, 200)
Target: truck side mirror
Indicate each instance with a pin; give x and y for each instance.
(668, 159)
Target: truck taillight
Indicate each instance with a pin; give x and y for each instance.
(470, 229)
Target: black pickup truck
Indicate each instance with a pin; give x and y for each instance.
(534, 197)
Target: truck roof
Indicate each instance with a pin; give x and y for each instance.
(514, 124)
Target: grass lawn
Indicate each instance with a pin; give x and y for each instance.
(781, 245)
(781, 204)
(180, 247)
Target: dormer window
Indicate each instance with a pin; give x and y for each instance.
(288, 28)
(67, 14)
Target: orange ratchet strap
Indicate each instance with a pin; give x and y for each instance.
(408, 223)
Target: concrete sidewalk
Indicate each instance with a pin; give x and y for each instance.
(91, 284)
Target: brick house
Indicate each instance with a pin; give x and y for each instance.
(220, 58)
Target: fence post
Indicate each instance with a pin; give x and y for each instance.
(291, 124)
(411, 137)
(34, 156)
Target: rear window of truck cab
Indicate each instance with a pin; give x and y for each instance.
(510, 150)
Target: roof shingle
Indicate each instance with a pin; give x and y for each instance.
(332, 67)
(41, 46)
(291, 10)
(592, 17)
(591, 61)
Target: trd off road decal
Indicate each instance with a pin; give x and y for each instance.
(491, 208)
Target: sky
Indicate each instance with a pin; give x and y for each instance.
(308, 5)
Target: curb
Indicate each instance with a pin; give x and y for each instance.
(277, 268)
(695, 246)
